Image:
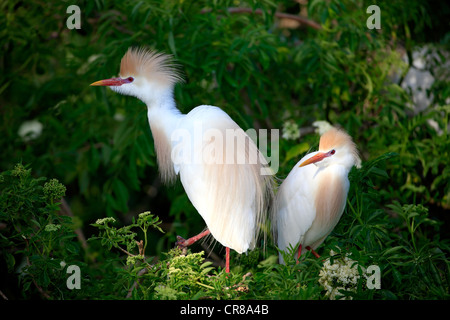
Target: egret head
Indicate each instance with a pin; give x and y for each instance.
(336, 147)
(144, 74)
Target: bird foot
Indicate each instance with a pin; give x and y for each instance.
(181, 242)
(307, 248)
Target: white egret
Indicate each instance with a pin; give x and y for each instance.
(220, 167)
(312, 198)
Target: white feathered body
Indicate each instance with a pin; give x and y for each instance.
(309, 203)
(218, 173)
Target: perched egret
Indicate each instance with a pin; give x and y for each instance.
(220, 167)
(312, 198)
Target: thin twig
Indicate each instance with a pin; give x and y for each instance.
(141, 252)
(141, 248)
(135, 284)
(65, 209)
(87, 147)
(130, 254)
(45, 294)
(302, 20)
(306, 130)
(3, 295)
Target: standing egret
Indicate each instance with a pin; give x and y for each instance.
(312, 198)
(220, 167)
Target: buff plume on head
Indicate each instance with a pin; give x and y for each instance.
(152, 65)
(147, 75)
(337, 138)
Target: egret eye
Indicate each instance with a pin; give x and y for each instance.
(130, 79)
(332, 152)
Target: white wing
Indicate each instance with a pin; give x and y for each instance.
(220, 178)
(294, 205)
(309, 204)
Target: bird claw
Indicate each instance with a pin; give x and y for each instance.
(181, 242)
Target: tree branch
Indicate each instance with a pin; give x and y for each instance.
(136, 283)
(123, 250)
(281, 15)
(42, 291)
(3, 295)
(65, 209)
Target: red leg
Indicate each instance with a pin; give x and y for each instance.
(227, 260)
(313, 252)
(299, 252)
(185, 243)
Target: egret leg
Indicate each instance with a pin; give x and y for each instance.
(313, 252)
(227, 260)
(299, 252)
(183, 243)
(307, 248)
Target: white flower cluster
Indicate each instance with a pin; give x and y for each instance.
(30, 130)
(291, 130)
(322, 126)
(105, 220)
(341, 275)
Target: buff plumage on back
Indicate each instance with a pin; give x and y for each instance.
(240, 197)
(226, 185)
(151, 65)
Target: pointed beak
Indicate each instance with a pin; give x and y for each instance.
(110, 82)
(316, 158)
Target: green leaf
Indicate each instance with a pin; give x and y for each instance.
(10, 261)
(121, 194)
(392, 250)
(296, 151)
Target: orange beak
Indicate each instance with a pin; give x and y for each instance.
(316, 158)
(110, 82)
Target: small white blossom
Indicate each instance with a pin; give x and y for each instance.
(30, 130)
(322, 126)
(144, 214)
(341, 275)
(119, 117)
(105, 220)
(291, 131)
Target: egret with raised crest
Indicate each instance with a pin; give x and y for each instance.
(312, 198)
(225, 180)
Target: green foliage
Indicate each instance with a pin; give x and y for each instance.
(36, 240)
(98, 149)
(180, 275)
(113, 237)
